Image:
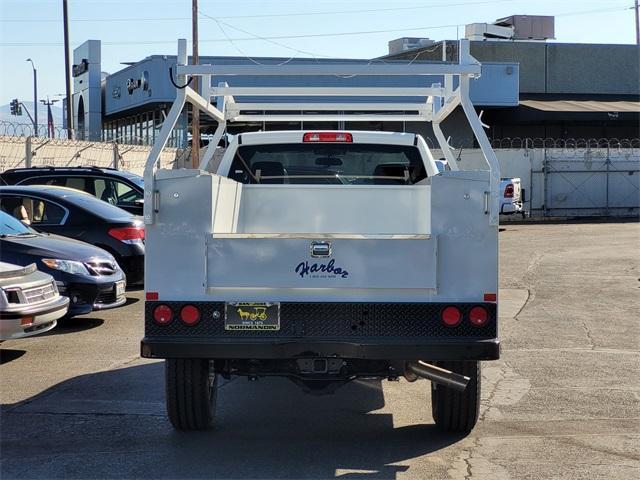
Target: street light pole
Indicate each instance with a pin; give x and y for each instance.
(35, 97)
(67, 70)
(636, 7)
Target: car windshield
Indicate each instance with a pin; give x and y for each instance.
(330, 163)
(10, 226)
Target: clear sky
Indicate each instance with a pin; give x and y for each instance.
(133, 29)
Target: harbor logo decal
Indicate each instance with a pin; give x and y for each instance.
(321, 270)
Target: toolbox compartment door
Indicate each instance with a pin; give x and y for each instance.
(288, 261)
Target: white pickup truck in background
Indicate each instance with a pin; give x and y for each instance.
(323, 256)
(512, 197)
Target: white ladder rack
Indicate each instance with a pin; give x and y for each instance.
(436, 103)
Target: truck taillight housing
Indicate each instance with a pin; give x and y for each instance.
(189, 315)
(334, 137)
(451, 316)
(162, 314)
(508, 191)
(128, 234)
(478, 316)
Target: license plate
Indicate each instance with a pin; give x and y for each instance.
(120, 288)
(252, 316)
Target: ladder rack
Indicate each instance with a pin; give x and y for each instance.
(431, 103)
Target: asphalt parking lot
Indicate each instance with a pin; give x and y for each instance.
(563, 401)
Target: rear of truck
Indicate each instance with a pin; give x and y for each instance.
(322, 256)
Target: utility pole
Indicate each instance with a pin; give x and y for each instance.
(67, 70)
(635, 7)
(195, 113)
(35, 98)
(50, 126)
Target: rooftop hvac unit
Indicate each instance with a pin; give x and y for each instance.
(408, 43)
(529, 27)
(515, 27)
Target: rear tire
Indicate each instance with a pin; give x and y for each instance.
(191, 389)
(457, 411)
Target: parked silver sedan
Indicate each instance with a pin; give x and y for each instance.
(29, 301)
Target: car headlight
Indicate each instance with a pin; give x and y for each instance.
(69, 266)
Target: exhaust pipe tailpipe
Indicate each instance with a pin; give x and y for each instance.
(437, 375)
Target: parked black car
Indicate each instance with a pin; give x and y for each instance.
(119, 188)
(88, 275)
(75, 214)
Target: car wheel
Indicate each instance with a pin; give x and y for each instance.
(455, 411)
(191, 389)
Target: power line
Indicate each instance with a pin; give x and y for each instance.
(258, 37)
(291, 37)
(270, 15)
(273, 15)
(239, 39)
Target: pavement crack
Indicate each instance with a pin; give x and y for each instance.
(530, 297)
(489, 401)
(589, 334)
(476, 445)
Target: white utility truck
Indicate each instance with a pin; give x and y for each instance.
(323, 255)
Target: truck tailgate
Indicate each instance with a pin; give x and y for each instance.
(286, 261)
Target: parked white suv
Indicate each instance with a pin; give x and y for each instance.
(29, 301)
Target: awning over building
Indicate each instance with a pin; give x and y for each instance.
(582, 106)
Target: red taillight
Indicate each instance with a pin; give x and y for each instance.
(337, 137)
(190, 315)
(162, 314)
(451, 316)
(490, 297)
(478, 316)
(128, 234)
(152, 296)
(508, 191)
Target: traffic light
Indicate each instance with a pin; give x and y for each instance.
(16, 108)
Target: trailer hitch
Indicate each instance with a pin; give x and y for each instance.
(437, 375)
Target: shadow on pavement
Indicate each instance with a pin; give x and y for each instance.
(74, 324)
(130, 301)
(112, 425)
(9, 354)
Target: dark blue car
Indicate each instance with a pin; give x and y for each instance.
(78, 215)
(88, 275)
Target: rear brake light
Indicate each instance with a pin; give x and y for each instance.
(128, 234)
(152, 296)
(162, 314)
(328, 137)
(508, 191)
(478, 316)
(190, 315)
(451, 316)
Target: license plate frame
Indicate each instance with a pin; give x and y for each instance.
(252, 316)
(119, 288)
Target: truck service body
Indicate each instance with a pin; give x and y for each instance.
(323, 255)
